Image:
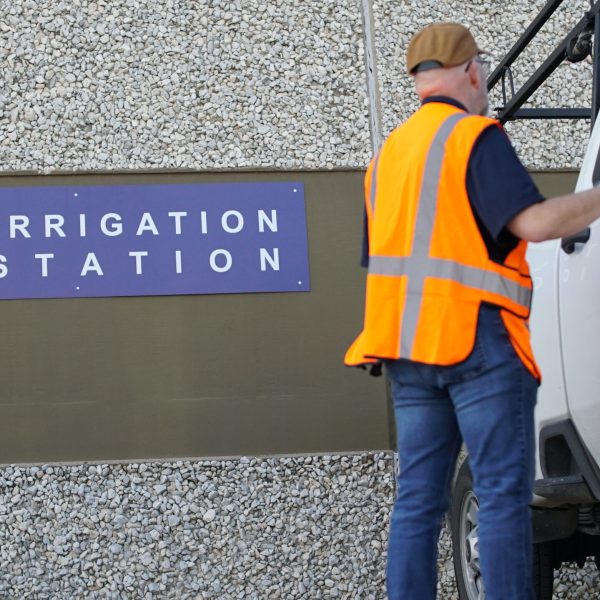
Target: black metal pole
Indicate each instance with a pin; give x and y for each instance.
(532, 84)
(522, 42)
(553, 113)
(549, 65)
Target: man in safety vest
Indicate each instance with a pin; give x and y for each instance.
(449, 212)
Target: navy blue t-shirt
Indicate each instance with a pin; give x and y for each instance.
(498, 187)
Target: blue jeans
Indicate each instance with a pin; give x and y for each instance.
(488, 401)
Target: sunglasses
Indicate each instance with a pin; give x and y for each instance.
(485, 65)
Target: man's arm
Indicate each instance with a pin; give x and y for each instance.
(557, 217)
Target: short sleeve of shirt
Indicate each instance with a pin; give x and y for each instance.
(498, 185)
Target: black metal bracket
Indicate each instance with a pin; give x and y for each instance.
(578, 44)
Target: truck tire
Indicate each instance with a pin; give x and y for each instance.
(465, 539)
(465, 544)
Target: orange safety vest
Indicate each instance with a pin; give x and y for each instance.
(429, 269)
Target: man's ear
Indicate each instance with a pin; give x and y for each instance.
(474, 75)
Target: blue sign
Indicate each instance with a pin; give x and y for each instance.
(146, 240)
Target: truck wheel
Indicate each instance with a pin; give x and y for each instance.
(465, 536)
(465, 545)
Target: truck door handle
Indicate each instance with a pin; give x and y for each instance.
(581, 237)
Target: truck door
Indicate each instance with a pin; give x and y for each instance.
(579, 305)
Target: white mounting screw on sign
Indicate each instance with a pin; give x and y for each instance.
(295, 190)
(76, 194)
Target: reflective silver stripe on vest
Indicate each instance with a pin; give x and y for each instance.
(419, 265)
(441, 268)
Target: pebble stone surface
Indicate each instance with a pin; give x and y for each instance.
(496, 26)
(185, 84)
(220, 84)
(253, 528)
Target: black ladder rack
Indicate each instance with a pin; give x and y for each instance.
(582, 41)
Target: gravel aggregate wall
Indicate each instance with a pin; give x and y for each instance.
(262, 529)
(219, 84)
(309, 527)
(496, 26)
(137, 84)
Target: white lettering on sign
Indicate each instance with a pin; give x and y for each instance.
(264, 220)
(19, 223)
(147, 224)
(213, 260)
(265, 258)
(178, 262)
(54, 223)
(112, 225)
(116, 227)
(225, 221)
(177, 216)
(44, 258)
(138, 260)
(91, 264)
(220, 261)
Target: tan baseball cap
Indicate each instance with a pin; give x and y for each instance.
(440, 45)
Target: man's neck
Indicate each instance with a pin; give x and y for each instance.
(445, 100)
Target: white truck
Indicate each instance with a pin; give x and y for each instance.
(565, 326)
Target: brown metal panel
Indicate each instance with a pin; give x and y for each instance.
(213, 375)
(556, 183)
